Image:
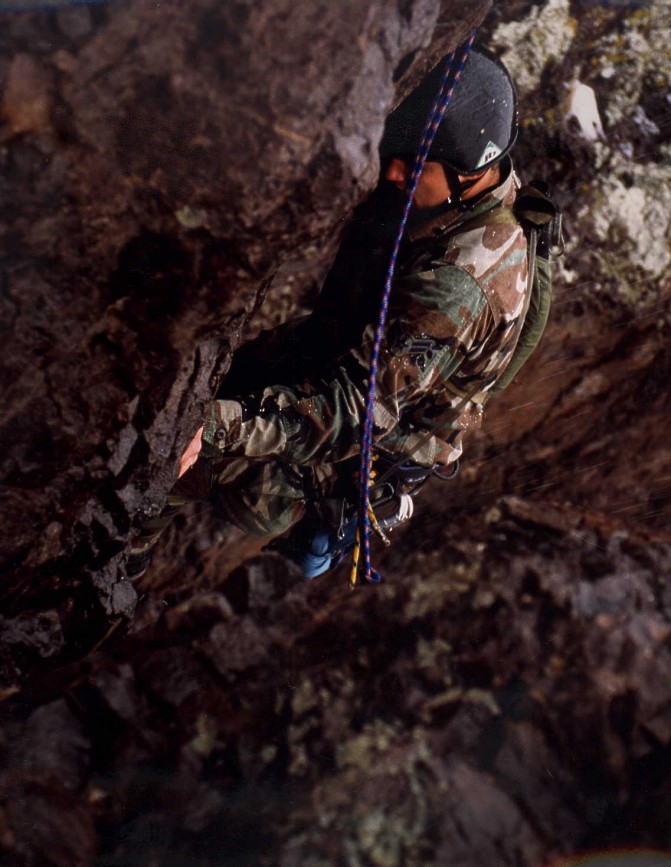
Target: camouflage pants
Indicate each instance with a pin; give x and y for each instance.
(261, 498)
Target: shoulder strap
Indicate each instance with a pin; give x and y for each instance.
(533, 208)
(540, 299)
(499, 216)
(537, 214)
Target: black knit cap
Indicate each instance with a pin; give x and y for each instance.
(480, 123)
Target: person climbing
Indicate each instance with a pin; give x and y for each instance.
(280, 444)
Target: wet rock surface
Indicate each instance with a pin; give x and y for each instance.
(503, 697)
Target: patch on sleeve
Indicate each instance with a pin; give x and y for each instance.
(420, 349)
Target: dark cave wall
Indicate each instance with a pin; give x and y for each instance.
(158, 162)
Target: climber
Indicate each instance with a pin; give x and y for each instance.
(280, 443)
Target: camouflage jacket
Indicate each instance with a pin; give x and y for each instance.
(456, 311)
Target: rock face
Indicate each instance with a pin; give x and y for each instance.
(432, 720)
(588, 416)
(159, 162)
(503, 696)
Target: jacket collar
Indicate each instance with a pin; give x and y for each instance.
(502, 194)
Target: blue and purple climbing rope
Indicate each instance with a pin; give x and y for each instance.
(448, 83)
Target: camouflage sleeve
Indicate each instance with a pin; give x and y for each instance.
(435, 318)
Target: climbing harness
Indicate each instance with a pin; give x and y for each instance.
(449, 81)
(320, 541)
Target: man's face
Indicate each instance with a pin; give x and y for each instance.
(432, 189)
